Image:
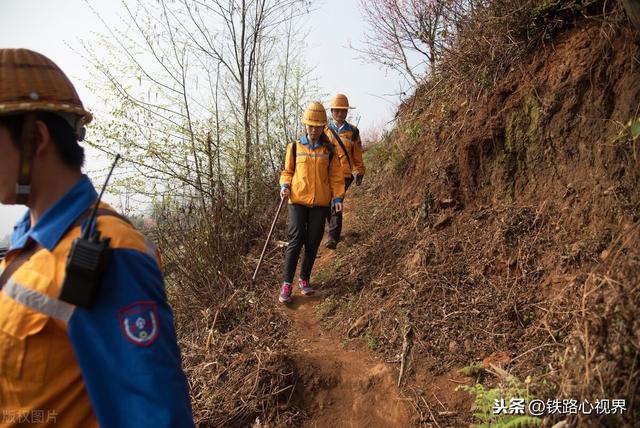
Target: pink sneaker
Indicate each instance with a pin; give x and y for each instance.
(285, 293)
(305, 287)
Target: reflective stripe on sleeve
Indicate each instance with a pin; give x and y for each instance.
(38, 302)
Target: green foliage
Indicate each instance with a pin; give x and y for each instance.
(473, 370)
(337, 264)
(372, 342)
(544, 7)
(328, 306)
(627, 138)
(522, 422)
(487, 398)
(377, 154)
(322, 276)
(635, 129)
(414, 132)
(387, 155)
(186, 127)
(483, 79)
(400, 161)
(351, 303)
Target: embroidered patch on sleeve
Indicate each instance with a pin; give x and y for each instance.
(140, 322)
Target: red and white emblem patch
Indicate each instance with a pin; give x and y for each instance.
(140, 322)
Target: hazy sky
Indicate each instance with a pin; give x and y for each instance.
(51, 26)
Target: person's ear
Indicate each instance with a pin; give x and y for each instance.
(42, 137)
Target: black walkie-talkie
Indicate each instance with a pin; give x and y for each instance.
(87, 261)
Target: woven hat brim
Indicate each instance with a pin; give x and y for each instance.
(25, 106)
(313, 123)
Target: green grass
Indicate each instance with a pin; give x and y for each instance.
(328, 306)
(414, 132)
(372, 342)
(473, 370)
(322, 277)
(337, 264)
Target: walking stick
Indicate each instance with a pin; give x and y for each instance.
(273, 225)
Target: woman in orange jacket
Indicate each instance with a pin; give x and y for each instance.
(312, 179)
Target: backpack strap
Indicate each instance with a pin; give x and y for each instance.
(335, 134)
(356, 133)
(295, 144)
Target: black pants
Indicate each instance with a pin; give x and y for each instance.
(305, 227)
(335, 222)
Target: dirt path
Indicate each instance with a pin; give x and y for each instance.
(343, 385)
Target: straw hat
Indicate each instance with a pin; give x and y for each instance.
(315, 115)
(29, 81)
(340, 102)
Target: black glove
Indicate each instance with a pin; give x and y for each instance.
(359, 179)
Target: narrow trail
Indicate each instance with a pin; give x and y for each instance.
(342, 384)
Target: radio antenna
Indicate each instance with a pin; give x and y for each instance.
(85, 235)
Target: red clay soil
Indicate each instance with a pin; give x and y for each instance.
(446, 401)
(340, 386)
(341, 383)
(485, 221)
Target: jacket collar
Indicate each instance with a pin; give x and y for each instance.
(305, 141)
(345, 126)
(55, 222)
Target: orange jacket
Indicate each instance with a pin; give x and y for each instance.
(69, 366)
(350, 136)
(314, 177)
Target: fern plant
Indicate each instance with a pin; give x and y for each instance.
(487, 398)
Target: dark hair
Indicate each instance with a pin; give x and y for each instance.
(63, 135)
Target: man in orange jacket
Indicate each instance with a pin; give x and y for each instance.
(346, 141)
(113, 362)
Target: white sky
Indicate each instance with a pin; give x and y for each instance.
(51, 26)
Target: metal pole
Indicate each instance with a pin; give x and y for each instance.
(273, 225)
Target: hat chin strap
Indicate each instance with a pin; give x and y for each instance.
(27, 150)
